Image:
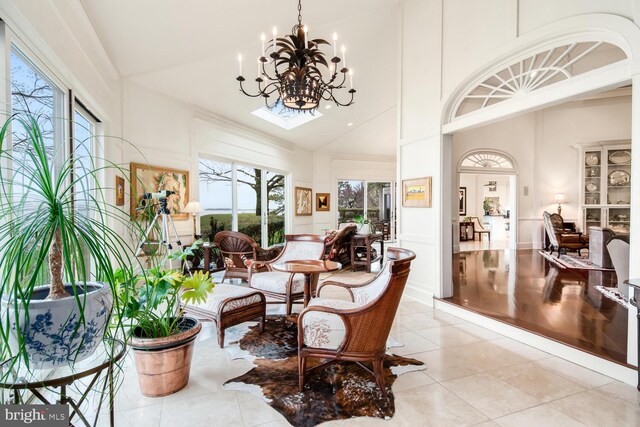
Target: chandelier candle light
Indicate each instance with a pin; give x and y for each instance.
(296, 70)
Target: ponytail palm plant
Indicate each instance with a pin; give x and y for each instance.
(55, 227)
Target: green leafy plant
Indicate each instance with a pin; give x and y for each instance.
(360, 219)
(152, 299)
(56, 227)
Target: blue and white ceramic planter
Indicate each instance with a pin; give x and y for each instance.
(51, 339)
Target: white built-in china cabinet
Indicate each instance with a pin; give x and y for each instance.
(606, 185)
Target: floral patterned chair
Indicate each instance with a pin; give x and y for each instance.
(355, 330)
(237, 249)
(285, 287)
(338, 244)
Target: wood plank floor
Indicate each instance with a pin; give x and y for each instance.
(524, 289)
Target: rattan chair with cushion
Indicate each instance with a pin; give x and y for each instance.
(338, 244)
(237, 249)
(559, 237)
(355, 330)
(287, 288)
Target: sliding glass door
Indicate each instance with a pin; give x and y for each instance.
(372, 200)
(242, 198)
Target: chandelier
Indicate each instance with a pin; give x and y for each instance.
(297, 73)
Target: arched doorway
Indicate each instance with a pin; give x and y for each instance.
(522, 79)
(487, 184)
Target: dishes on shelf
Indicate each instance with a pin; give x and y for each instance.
(620, 217)
(619, 178)
(619, 228)
(620, 157)
(591, 187)
(591, 159)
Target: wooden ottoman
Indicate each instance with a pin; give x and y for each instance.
(230, 305)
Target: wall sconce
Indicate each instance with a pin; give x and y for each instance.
(559, 199)
(194, 209)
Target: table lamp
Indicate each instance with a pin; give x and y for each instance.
(194, 208)
(559, 199)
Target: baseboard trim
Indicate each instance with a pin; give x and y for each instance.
(413, 291)
(614, 370)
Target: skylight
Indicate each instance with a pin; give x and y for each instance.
(285, 118)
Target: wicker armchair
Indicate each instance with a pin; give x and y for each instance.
(287, 288)
(237, 249)
(357, 330)
(337, 247)
(560, 237)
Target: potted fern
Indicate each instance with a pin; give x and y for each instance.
(58, 252)
(161, 337)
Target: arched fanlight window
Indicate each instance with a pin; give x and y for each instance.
(537, 71)
(487, 160)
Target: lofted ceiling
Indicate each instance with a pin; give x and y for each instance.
(188, 49)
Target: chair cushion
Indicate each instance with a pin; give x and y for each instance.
(373, 290)
(276, 281)
(325, 330)
(222, 292)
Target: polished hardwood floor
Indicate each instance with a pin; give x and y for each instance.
(524, 289)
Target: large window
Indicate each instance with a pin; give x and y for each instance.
(371, 200)
(35, 96)
(242, 198)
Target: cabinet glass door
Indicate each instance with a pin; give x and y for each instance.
(592, 177)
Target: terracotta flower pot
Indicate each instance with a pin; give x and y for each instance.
(164, 364)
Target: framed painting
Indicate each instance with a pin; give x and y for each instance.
(119, 191)
(462, 196)
(304, 201)
(150, 179)
(416, 193)
(323, 202)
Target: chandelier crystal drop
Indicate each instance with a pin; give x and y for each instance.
(296, 72)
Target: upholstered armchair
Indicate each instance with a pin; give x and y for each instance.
(355, 330)
(618, 248)
(338, 244)
(237, 249)
(285, 287)
(560, 237)
(598, 252)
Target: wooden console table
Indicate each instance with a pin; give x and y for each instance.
(365, 241)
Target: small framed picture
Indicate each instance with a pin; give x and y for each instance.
(462, 197)
(119, 191)
(323, 202)
(304, 201)
(416, 193)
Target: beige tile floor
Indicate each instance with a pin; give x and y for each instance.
(473, 377)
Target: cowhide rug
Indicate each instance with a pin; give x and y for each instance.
(336, 391)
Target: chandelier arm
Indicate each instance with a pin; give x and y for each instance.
(334, 99)
(340, 86)
(247, 93)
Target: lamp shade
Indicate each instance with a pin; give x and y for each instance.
(192, 207)
(559, 198)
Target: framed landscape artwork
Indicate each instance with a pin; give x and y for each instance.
(304, 201)
(463, 201)
(416, 193)
(150, 179)
(323, 202)
(119, 191)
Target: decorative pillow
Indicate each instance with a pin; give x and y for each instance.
(330, 235)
